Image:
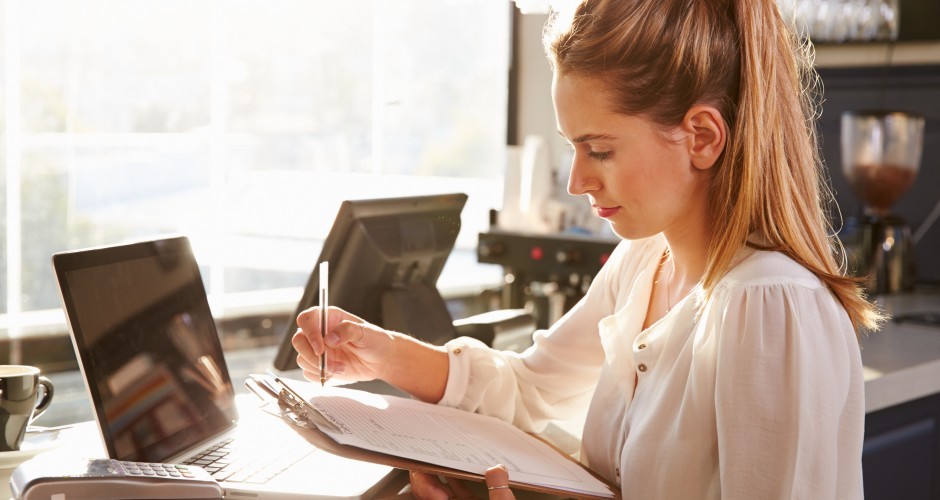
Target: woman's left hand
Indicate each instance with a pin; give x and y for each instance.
(497, 483)
(430, 487)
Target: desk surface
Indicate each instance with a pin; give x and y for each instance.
(83, 441)
(71, 442)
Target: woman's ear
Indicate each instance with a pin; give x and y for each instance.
(708, 135)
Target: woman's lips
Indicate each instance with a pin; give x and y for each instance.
(606, 212)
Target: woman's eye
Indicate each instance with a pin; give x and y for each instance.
(599, 155)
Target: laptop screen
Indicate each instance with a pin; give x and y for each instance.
(148, 347)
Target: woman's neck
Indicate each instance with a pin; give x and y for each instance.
(688, 251)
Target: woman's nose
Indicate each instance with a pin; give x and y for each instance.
(580, 181)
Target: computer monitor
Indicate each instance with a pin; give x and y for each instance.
(385, 256)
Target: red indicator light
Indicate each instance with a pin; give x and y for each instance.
(604, 257)
(536, 253)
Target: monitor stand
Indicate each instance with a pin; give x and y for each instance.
(420, 311)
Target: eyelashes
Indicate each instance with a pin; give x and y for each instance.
(594, 155)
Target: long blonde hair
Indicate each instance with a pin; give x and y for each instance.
(661, 57)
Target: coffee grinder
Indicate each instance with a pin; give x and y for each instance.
(881, 153)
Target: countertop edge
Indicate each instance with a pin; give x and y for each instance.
(902, 386)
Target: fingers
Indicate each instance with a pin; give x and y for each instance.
(347, 332)
(303, 345)
(308, 340)
(308, 323)
(307, 358)
(497, 483)
(309, 343)
(347, 327)
(460, 489)
(429, 487)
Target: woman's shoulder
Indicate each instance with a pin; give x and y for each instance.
(780, 288)
(761, 268)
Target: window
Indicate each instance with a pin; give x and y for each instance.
(242, 124)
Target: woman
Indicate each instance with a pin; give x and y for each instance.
(716, 352)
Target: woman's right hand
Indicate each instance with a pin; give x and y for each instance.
(358, 350)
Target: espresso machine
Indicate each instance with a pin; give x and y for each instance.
(545, 274)
(881, 153)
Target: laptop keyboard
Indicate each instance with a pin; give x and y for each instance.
(229, 463)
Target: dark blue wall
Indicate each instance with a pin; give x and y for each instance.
(910, 88)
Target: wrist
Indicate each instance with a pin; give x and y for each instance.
(387, 369)
(416, 367)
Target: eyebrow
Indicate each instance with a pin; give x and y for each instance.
(589, 137)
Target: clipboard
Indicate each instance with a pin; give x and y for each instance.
(284, 402)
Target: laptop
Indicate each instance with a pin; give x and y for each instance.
(160, 388)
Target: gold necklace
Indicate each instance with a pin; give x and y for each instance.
(672, 272)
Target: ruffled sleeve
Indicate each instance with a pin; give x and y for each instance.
(789, 393)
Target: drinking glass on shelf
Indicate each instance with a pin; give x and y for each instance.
(842, 20)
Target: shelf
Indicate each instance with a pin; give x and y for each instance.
(835, 55)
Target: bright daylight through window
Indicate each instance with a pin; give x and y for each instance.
(241, 124)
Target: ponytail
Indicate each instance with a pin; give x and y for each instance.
(785, 194)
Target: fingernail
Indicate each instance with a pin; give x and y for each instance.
(332, 339)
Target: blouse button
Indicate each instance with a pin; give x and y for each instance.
(617, 471)
(641, 346)
(642, 368)
(457, 352)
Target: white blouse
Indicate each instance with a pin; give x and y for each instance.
(759, 395)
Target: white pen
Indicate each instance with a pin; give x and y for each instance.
(324, 314)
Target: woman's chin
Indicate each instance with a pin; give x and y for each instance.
(630, 232)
